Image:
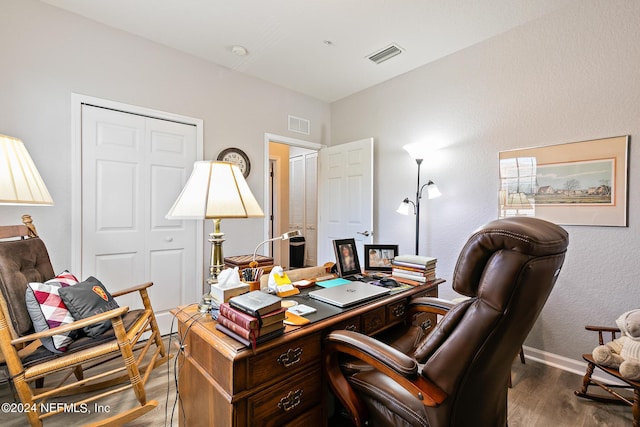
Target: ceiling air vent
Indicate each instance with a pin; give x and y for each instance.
(385, 54)
(300, 125)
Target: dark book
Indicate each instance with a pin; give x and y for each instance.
(251, 322)
(249, 333)
(249, 343)
(256, 303)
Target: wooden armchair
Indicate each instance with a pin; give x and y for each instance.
(24, 259)
(614, 390)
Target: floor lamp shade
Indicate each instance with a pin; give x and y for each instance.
(20, 182)
(215, 190)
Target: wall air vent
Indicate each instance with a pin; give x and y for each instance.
(297, 124)
(385, 54)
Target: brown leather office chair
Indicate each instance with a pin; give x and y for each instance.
(458, 376)
(29, 362)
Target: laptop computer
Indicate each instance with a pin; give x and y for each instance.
(349, 294)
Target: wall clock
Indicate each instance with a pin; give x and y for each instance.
(237, 157)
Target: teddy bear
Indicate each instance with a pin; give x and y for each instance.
(623, 353)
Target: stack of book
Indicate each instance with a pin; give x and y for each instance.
(252, 318)
(413, 269)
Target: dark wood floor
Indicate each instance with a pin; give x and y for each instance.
(541, 396)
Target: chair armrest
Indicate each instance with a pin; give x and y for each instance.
(136, 288)
(396, 365)
(78, 324)
(430, 305)
(372, 348)
(601, 330)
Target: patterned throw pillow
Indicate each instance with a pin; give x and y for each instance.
(47, 310)
(87, 299)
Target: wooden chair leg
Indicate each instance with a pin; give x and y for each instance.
(636, 408)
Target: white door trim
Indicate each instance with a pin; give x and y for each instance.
(77, 100)
(271, 137)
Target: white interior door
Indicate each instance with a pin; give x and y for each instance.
(346, 196)
(133, 168)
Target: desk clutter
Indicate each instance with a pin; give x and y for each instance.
(252, 318)
(413, 269)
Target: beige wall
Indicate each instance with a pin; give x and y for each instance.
(48, 54)
(571, 76)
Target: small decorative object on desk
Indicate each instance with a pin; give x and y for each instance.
(413, 269)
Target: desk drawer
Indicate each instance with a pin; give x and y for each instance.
(351, 324)
(374, 320)
(283, 360)
(288, 400)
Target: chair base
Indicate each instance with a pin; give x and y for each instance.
(616, 398)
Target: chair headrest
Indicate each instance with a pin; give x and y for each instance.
(532, 237)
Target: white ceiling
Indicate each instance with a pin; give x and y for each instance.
(286, 39)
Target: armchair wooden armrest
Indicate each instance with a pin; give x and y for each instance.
(396, 365)
(601, 330)
(78, 324)
(136, 288)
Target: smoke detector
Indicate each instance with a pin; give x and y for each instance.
(239, 50)
(385, 54)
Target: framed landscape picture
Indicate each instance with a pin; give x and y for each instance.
(580, 183)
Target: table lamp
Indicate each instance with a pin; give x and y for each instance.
(216, 191)
(20, 182)
(285, 236)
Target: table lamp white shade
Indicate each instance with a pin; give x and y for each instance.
(215, 190)
(20, 181)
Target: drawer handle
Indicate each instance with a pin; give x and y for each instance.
(399, 310)
(291, 357)
(350, 328)
(426, 325)
(290, 401)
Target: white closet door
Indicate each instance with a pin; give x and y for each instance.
(133, 168)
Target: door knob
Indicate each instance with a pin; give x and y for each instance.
(366, 233)
(168, 239)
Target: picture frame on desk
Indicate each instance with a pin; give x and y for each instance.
(379, 257)
(346, 257)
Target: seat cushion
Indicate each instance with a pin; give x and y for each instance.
(86, 299)
(388, 404)
(47, 310)
(42, 354)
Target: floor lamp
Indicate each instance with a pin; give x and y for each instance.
(216, 191)
(417, 152)
(20, 181)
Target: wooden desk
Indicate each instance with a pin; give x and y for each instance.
(222, 383)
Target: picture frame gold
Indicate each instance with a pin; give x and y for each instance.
(578, 183)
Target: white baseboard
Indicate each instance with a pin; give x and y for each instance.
(578, 367)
